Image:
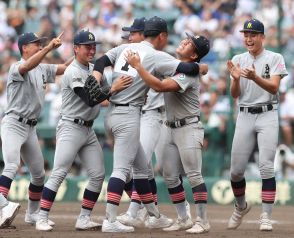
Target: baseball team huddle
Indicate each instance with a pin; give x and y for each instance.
(153, 108)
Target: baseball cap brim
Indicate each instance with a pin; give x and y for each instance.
(192, 38)
(125, 37)
(253, 31)
(131, 29)
(40, 39)
(90, 43)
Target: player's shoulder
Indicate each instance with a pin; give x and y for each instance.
(269, 53)
(16, 63)
(241, 55)
(119, 47)
(14, 66)
(132, 46)
(71, 69)
(161, 55)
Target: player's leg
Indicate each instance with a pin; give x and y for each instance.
(267, 138)
(149, 135)
(159, 148)
(150, 131)
(129, 186)
(13, 135)
(91, 156)
(172, 166)
(189, 141)
(156, 220)
(124, 123)
(243, 144)
(69, 139)
(33, 158)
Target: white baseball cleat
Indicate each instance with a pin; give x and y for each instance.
(265, 222)
(199, 227)
(115, 227)
(32, 218)
(128, 220)
(42, 225)
(180, 224)
(84, 223)
(8, 214)
(237, 216)
(154, 223)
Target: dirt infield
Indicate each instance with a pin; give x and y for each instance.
(64, 215)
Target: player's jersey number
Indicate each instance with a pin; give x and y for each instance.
(121, 66)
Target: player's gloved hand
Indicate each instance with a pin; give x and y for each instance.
(96, 92)
(90, 83)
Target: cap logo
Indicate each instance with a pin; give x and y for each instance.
(91, 37)
(249, 25)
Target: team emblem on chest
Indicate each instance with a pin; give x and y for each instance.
(266, 72)
(44, 81)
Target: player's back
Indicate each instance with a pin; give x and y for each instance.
(153, 61)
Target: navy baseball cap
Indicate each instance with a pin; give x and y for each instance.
(138, 25)
(29, 37)
(155, 25)
(85, 38)
(253, 25)
(201, 44)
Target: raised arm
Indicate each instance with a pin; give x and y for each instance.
(36, 59)
(62, 67)
(165, 85)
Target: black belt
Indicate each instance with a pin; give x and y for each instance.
(84, 123)
(257, 110)
(30, 122)
(159, 109)
(122, 105)
(180, 123)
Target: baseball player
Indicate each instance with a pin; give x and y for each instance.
(255, 80)
(26, 84)
(185, 133)
(75, 135)
(151, 136)
(123, 120)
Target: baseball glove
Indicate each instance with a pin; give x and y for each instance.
(96, 92)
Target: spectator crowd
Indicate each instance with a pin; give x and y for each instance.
(219, 20)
